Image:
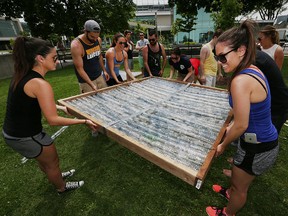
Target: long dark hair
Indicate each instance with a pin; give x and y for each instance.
(238, 36)
(25, 51)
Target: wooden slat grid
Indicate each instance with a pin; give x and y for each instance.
(173, 124)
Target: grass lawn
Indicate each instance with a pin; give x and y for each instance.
(119, 182)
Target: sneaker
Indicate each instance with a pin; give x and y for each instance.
(71, 186)
(221, 190)
(68, 173)
(214, 211)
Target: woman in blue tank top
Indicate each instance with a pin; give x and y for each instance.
(115, 57)
(251, 101)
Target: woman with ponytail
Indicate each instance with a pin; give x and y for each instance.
(251, 101)
(115, 57)
(29, 96)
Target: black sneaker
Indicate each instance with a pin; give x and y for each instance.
(68, 173)
(71, 186)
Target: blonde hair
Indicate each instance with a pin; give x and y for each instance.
(271, 32)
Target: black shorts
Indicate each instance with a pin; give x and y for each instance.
(29, 147)
(253, 158)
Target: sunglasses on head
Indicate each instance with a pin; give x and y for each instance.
(122, 43)
(152, 39)
(222, 57)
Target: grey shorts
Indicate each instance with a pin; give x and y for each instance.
(130, 64)
(29, 147)
(255, 163)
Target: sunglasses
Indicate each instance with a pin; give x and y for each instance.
(152, 40)
(222, 57)
(55, 59)
(174, 58)
(121, 43)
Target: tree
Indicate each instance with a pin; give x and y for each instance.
(66, 17)
(229, 10)
(268, 9)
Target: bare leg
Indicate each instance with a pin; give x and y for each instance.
(240, 182)
(49, 163)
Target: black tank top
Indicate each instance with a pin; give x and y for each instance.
(154, 60)
(23, 113)
(90, 59)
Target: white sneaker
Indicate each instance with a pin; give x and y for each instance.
(68, 173)
(72, 186)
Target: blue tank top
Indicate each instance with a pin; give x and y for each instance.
(260, 121)
(90, 59)
(116, 63)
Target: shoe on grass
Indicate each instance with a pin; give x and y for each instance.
(71, 186)
(68, 173)
(221, 190)
(215, 211)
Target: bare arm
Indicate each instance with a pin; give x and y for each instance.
(77, 53)
(190, 73)
(164, 59)
(241, 93)
(101, 61)
(279, 57)
(145, 59)
(126, 67)
(203, 56)
(41, 89)
(172, 70)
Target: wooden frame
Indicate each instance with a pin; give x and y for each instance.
(129, 129)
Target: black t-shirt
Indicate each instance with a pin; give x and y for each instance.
(182, 66)
(278, 89)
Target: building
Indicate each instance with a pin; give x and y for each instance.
(10, 28)
(160, 16)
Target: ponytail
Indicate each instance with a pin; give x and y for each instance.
(25, 51)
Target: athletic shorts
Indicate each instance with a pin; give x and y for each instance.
(99, 82)
(29, 147)
(131, 64)
(253, 162)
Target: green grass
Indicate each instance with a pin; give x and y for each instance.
(118, 181)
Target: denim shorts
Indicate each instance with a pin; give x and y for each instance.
(29, 147)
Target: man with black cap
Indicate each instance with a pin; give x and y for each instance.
(87, 58)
